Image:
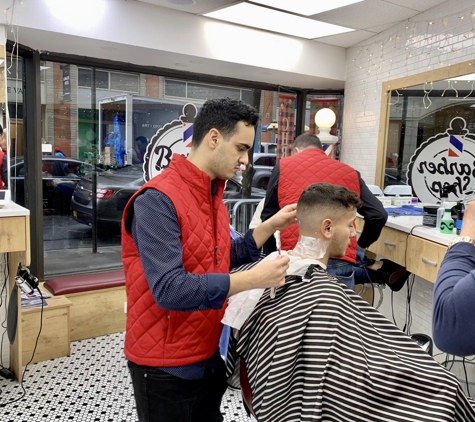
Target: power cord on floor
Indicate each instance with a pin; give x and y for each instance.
(21, 381)
(464, 361)
(408, 322)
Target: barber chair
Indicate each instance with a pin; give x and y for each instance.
(246, 389)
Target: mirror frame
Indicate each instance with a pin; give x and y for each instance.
(440, 74)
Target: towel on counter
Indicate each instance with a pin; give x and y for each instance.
(405, 210)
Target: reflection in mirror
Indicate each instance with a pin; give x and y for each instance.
(430, 136)
(13, 128)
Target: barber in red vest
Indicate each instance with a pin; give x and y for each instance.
(309, 164)
(177, 253)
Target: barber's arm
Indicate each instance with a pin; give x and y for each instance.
(453, 321)
(247, 248)
(156, 234)
(375, 216)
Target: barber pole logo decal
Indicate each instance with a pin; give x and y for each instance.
(174, 137)
(442, 160)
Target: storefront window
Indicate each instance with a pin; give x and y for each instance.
(104, 133)
(104, 152)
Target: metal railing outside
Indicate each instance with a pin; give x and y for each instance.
(241, 212)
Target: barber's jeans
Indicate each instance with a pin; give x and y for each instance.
(161, 397)
(343, 271)
(350, 274)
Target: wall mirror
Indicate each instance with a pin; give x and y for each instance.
(427, 132)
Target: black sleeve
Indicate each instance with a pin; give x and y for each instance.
(375, 216)
(5, 171)
(271, 206)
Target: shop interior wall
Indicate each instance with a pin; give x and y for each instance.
(413, 47)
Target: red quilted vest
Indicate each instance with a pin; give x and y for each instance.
(301, 170)
(155, 336)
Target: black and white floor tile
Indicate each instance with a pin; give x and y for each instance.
(93, 384)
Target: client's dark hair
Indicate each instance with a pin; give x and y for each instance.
(306, 140)
(222, 114)
(324, 197)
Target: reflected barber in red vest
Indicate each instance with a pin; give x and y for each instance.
(177, 253)
(309, 164)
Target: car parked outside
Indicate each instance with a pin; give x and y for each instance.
(263, 165)
(115, 188)
(59, 178)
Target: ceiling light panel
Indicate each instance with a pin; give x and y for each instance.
(306, 7)
(273, 20)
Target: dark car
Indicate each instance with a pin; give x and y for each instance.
(263, 165)
(114, 189)
(59, 178)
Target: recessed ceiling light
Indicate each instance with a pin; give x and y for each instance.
(181, 2)
(306, 7)
(273, 20)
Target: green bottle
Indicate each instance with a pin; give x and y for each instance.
(447, 224)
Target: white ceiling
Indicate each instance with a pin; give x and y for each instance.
(368, 17)
(168, 44)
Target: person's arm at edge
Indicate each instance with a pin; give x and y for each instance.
(374, 214)
(453, 324)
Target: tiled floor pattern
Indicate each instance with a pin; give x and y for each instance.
(93, 384)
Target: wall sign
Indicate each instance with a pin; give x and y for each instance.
(442, 160)
(66, 82)
(174, 137)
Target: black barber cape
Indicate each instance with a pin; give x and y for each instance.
(319, 352)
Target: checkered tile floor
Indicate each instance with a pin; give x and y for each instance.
(93, 384)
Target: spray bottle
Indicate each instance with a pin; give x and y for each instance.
(444, 198)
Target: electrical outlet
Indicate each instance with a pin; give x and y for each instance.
(125, 307)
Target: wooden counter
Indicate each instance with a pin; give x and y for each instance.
(15, 240)
(405, 241)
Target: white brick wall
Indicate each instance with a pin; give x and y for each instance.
(413, 47)
(406, 49)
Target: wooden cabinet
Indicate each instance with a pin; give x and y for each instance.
(15, 240)
(424, 257)
(392, 245)
(54, 340)
(420, 256)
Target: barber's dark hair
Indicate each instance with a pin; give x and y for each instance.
(327, 196)
(222, 114)
(306, 140)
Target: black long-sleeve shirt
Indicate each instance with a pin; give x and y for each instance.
(372, 210)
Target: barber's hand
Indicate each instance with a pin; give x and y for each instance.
(285, 217)
(270, 273)
(468, 226)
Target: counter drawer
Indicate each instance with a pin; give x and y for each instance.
(424, 257)
(391, 245)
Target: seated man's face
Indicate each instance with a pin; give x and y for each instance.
(343, 231)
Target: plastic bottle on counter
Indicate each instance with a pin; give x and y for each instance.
(447, 223)
(460, 212)
(444, 197)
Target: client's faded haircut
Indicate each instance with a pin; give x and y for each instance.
(325, 200)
